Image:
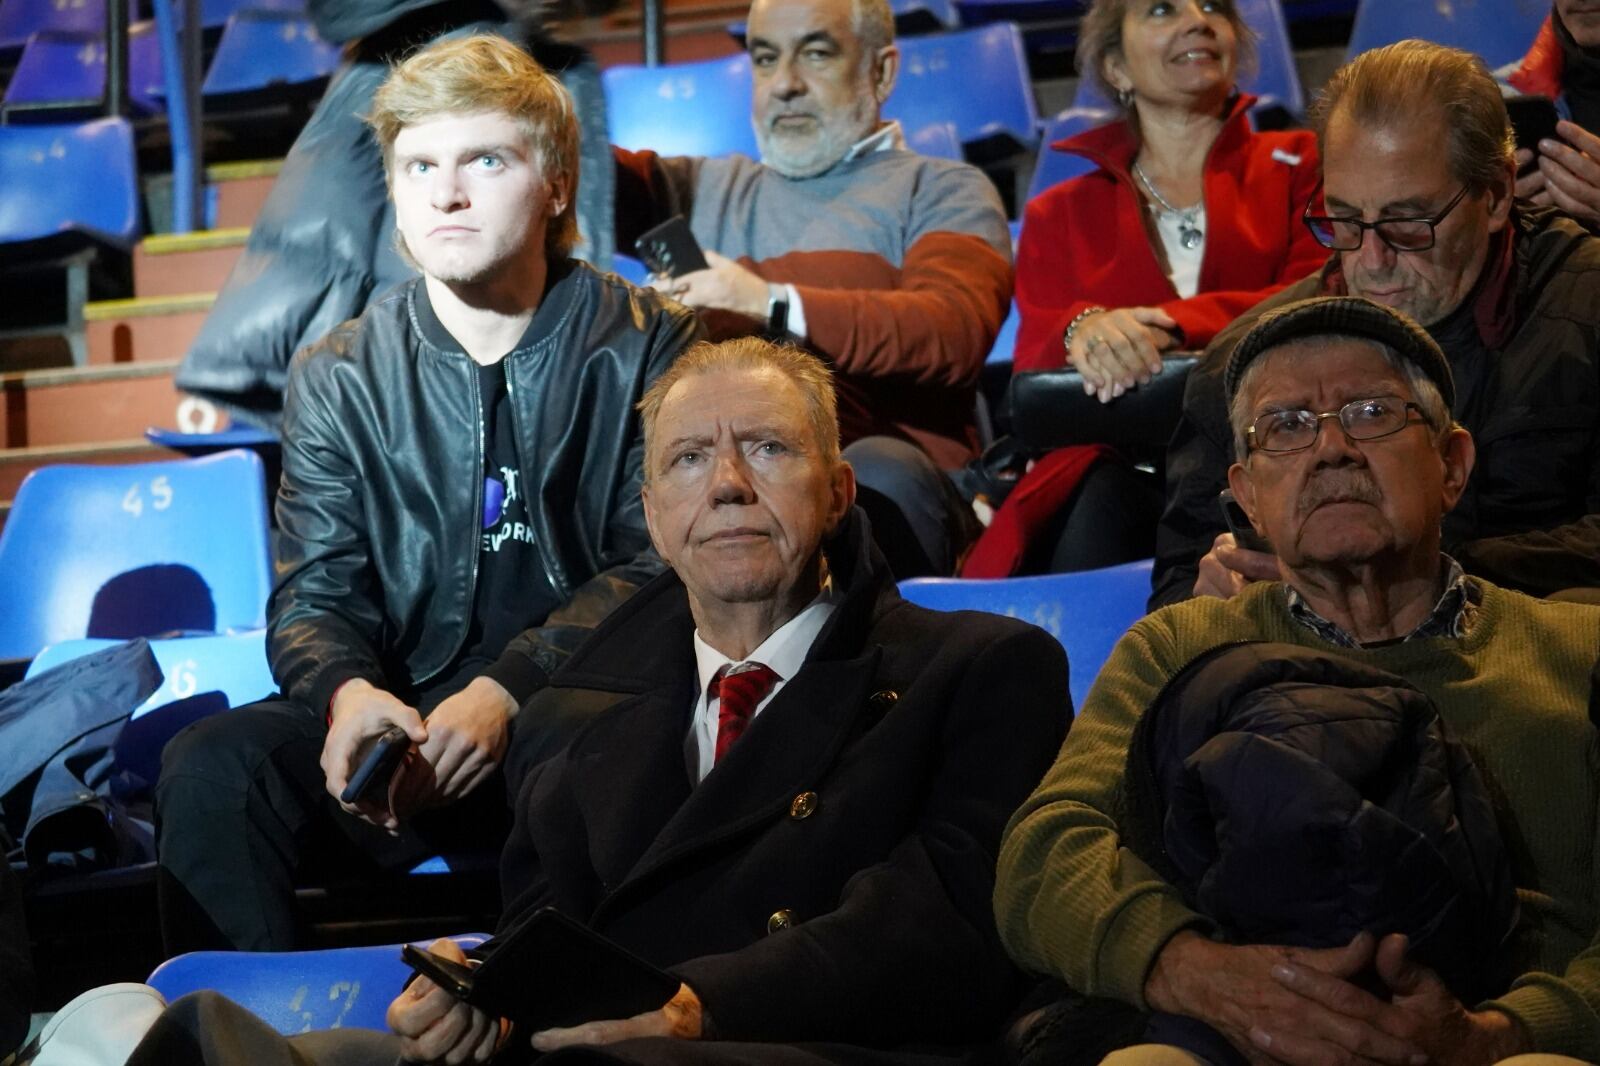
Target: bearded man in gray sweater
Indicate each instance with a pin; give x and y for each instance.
(893, 267)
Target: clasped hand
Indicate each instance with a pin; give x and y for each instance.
(723, 286)
(462, 742)
(1299, 1005)
(1116, 350)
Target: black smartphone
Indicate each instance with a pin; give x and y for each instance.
(449, 975)
(1244, 534)
(1533, 119)
(379, 765)
(670, 250)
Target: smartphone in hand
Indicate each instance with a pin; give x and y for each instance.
(1244, 534)
(670, 250)
(448, 974)
(375, 770)
(1533, 119)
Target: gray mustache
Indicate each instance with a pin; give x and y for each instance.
(1354, 485)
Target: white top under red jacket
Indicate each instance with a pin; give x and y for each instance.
(1085, 243)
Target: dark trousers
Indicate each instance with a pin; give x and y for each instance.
(242, 813)
(206, 1029)
(919, 519)
(1111, 519)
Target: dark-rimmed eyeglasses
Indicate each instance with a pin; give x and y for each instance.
(1366, 419)
(1402, 234)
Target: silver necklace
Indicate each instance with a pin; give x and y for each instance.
(1189, 232)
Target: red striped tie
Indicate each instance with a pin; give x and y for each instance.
(740, 689)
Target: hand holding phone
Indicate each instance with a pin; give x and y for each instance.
(1244, 534)
(1533, 119)
(670, 249)
(379, 765)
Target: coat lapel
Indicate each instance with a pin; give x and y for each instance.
(786, 750)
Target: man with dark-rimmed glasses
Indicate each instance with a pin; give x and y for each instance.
(1348, 460)
(1418, 214)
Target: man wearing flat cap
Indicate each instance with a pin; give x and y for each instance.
(1346, 461)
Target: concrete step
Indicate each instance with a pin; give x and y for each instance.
(178, 264)
(240, 189)
(145, 328)
(81, 406)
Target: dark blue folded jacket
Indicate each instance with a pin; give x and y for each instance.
(1300, 797)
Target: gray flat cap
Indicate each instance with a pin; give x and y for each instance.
(1350, 316)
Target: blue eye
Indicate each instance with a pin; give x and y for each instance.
(490, 162)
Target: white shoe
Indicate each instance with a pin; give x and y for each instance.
(99, 1028)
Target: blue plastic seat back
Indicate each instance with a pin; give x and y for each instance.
(119, 551)
(977, 79)
(682, 109)
(628, 268)
(1498, 30)
(262, 49)
(937, 139)
(299, 991)
(1087, 611)
(69, 179)
(61, 66)
(234, 664)
(923, 16)
(1005, 341)
(214, 13)
(1055, 167)
(58, 67)
(21, 19)
(982, 12)
(1275, 78)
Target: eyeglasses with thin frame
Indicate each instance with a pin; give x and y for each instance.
(1366, 419)
(1342, 234)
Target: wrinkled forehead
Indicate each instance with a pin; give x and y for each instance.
(1321, 373)
(715, 403)
(787, 22)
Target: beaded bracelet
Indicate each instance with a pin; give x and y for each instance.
(1072, 327)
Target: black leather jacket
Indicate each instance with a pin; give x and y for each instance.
(1530, 518)
(378, 510)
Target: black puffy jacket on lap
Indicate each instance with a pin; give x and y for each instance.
(1300, 797)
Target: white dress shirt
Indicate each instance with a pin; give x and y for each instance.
(784, 652)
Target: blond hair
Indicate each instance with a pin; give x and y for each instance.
(1412, 80)
(482, 73)
(1100, 35)
(809, 374)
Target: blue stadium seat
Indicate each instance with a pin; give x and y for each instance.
(983, 12)
(1055, 167)
(977, 79)
(235, 436)
(1006, 340)
(937, 139)
(63, 180)
(215, 13)
(299, 991)
(1498, 30)
(682, 109)
(234, 664)
(630, 269)
(137, 550)
(21, 19)
(59, 68)
(1087, 611)
(264, 50)
(923, 16)
(1275, 78)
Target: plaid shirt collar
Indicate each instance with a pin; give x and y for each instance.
(1452, 615)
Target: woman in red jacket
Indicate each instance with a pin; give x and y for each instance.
(1192, 218)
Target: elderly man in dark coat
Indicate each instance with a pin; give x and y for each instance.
(790, 783)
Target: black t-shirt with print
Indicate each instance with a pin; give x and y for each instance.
(510, 580)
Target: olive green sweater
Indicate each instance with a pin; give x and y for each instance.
(1070, 901)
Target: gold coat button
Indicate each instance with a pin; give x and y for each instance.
(780, 920)
(804, 805)
(884, 699)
